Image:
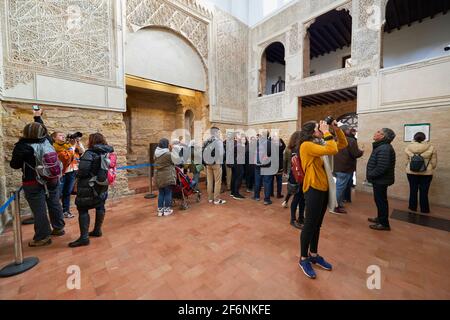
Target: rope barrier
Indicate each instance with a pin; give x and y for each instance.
(138, 166)
(12, 198)
(8, 202)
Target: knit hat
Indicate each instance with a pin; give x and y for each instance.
(34, 130)
(163, 144)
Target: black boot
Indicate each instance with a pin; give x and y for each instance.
(99, 217)
(83, 220)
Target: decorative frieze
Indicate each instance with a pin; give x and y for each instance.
(73, 39)
(294, 45)
(231, 67)
(164, 13)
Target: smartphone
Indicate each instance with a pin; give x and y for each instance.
(36, 107)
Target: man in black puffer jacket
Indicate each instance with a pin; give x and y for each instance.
(91, 195)
(381, 173)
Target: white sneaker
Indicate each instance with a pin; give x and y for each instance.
(284, 204)
(160, 212)
(219, 202)
(68, 215)
(210, 201)
(168, 212)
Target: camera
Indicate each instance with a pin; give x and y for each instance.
(329, 120)
(74, 136)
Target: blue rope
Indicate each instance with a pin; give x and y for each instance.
(138, 166)
(7, 203)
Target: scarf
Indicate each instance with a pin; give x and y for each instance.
(328, 165)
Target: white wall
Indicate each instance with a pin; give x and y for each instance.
(249, 11)
(260, 9)
(420, 41)
(163, 56)
(329, 62)
(274, 70)
(240, 9)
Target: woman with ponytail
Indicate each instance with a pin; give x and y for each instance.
(316, 141)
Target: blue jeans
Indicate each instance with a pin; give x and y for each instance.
(196, 180)
(165, 197)
(67, 184)
(348, 190)
(279, 179)
(39, 203)
(266, 181)
(342, 180)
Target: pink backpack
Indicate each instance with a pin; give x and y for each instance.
(107, 173)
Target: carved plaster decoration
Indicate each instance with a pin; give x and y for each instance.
(346, 6)
(334, 80)
(197, 6)
(266, 109)
(164, 13)
(294, 45)
(13, 77)
(308, 24)
(74, 39)
(231, 67)
(280, 38)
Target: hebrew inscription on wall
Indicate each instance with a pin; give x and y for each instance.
(73, 39)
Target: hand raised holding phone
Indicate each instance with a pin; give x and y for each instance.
(37, 111)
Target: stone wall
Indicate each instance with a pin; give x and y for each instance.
(321, 112)
(439, 117)
(149, 118)
(152, 116)
(110, 124)
(3, 195)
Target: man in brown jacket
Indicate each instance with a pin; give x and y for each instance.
(344, 167)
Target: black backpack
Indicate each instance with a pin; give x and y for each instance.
(417, 163)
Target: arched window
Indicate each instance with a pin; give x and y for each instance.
(414, 31)
(273, 70)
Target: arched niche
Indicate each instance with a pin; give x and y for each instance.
(165, 56)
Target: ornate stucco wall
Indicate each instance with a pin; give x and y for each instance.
(74, 46)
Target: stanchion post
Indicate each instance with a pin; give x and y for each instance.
(150, 195)
(20, 263)
(15, 207)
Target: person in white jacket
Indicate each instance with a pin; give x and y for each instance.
(421, 163)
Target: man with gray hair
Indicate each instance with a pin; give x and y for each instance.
(213, 154)
(381, 173)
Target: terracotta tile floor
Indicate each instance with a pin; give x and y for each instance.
(242, 250)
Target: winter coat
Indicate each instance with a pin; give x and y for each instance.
(281, 147)
(345, 160)
(287, 160)
(24, 153)
(165, 174)
(428, 153)
(89, 194)
(381, 164)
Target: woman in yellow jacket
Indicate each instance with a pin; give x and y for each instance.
(316, 141)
